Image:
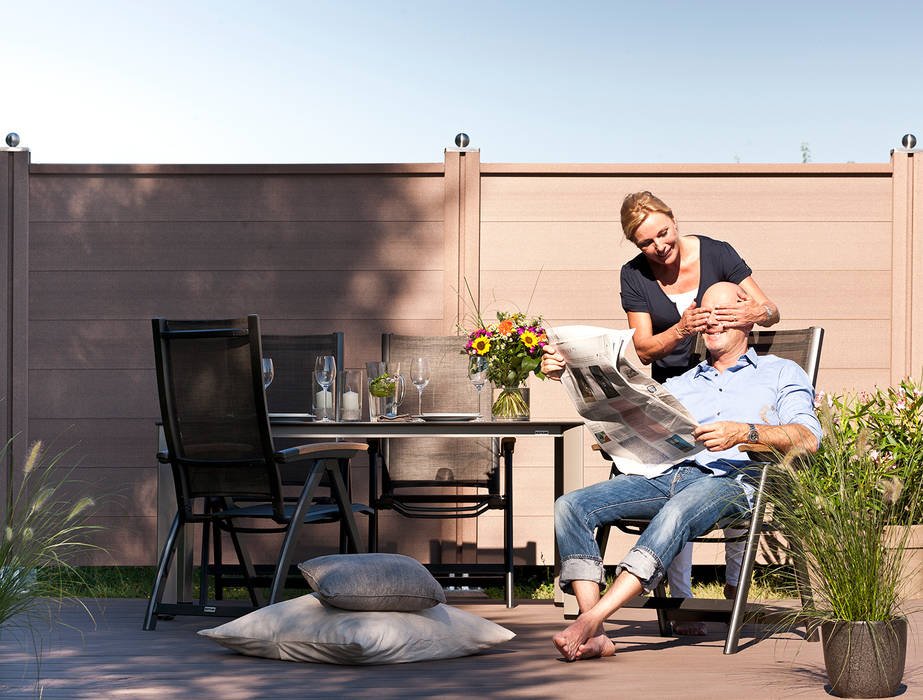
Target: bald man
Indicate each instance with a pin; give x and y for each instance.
(736, 397)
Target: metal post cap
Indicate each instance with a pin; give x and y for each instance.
(12, 139)
(462, 140)
(908, 140)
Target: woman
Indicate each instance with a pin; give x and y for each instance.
(662, 286)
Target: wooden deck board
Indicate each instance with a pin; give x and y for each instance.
(116, 659)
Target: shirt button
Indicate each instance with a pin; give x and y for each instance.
(718, 413)
(720, 389)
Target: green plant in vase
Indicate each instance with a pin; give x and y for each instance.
(849, 515)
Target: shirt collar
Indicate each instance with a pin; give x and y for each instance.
(749, 357)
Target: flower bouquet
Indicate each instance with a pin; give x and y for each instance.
(513, 348)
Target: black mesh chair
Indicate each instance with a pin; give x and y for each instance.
(444, 477)
(291, 391)
(802, 346)
(225, 467)
(293, 360)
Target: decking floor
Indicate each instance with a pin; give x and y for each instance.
(116, 659)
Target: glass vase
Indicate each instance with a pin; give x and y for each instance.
(510, 403)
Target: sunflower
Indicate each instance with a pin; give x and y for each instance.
(529, 339)
(481, 345)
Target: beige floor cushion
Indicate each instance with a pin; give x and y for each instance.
(307, 629)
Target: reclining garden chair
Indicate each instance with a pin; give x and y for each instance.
(225, 467)
(802, 346)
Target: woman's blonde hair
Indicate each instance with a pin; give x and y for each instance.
(636, 207)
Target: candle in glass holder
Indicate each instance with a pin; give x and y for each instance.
(349, 405)
(323, 405)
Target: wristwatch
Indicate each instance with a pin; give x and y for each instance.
(754, 434)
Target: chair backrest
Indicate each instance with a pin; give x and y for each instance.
(213, 407)
(800, 345)
(448, 391)
(293, 358)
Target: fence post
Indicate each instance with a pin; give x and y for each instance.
(14, 290)
(907, 264)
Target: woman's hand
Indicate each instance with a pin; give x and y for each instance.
(692, 321)
(553, 363)
(747, 311)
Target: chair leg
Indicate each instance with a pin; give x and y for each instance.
(163, 566)
(203, 565)
(803, 581)
(373, 494)
(602, 539)
(663, 624)
(244, 559)
(341, 495)
(294, 526)
(216, 571)
(746, 568)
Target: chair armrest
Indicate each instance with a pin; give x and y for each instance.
(757, 452)
(321, 450)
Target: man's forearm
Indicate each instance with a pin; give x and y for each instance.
(787, 437)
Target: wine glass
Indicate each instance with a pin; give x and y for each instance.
(477, 373)
(419, 375)
(268, 373)
(325, 371)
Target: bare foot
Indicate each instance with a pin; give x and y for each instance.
(569, 640)
(599, 645)
(690, 629)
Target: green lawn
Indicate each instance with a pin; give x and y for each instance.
(532, 582)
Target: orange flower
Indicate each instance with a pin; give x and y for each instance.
(505, 327)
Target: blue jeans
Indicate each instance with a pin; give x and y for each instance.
(682, 503)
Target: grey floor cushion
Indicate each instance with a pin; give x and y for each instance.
(376, 581)
(307, 629)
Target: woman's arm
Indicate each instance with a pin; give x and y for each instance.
(651, 346)
(752, 307)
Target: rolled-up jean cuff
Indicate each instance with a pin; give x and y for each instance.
(644, 564)
(581, 568)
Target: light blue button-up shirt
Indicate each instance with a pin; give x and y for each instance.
(759, 389)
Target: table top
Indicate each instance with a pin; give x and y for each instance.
(292, 427)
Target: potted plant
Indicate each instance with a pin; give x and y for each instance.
(850, 513)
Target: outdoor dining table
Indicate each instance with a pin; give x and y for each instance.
(566, 433)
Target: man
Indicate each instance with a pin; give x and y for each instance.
(736, 397)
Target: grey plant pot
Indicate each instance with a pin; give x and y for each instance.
(865, 659)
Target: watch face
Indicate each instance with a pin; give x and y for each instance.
(753, 435)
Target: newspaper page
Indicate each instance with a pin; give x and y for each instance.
(634, 419)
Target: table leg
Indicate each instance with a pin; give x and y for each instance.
(568, 476)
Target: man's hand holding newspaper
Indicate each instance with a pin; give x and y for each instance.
(634, 419)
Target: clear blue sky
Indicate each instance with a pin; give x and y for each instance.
(325, 81)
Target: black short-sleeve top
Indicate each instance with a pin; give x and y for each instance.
(718, 262)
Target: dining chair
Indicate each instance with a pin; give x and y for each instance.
(292, 389)
(802, 346)
(225, 466)
(444, 477)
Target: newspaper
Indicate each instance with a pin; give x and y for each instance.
(635, 420)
